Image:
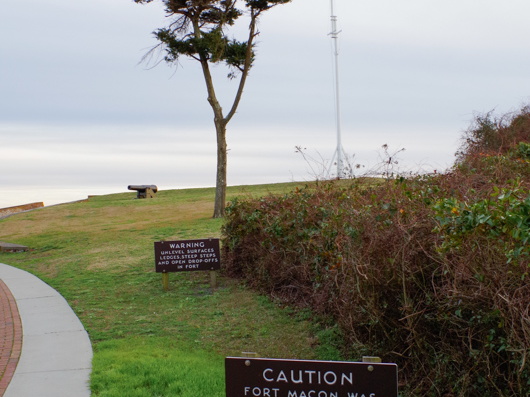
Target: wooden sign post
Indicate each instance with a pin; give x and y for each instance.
(165, 281)
(186, 256)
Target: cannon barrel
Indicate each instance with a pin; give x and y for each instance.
(144, 191)
(154, 188)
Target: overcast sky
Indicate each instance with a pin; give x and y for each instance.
(80, 115)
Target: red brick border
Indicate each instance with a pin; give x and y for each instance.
(10, 336)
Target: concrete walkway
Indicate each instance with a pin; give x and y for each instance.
(56, 355)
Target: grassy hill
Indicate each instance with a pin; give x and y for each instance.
(149, 342)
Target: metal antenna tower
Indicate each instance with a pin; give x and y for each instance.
(339, 150)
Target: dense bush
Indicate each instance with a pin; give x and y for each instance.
(430, 272)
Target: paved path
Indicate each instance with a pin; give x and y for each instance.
(56, 355)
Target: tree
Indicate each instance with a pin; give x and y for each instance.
(198, 30)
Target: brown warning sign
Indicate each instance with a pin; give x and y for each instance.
(187, 255)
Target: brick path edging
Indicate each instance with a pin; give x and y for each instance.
(10, 336)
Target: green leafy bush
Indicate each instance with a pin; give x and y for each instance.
(523, 149)
(503, 220)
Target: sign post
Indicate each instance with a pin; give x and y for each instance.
(187, 255)
(165, 281)
(258, 377)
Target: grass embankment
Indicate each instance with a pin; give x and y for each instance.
(149, 342)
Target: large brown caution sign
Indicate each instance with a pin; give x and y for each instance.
(256, 377)
(187, 255)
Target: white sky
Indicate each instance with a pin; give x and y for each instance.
(79, 115)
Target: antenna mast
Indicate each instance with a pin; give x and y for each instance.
(334, 36)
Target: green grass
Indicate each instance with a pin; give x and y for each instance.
(142, 367)
(149, 342)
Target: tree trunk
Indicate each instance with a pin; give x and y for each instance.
(220, 181)
(220, 120)
(220, 130)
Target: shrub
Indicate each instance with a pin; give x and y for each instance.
(430, 272)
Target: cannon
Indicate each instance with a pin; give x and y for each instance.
(144, 191)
